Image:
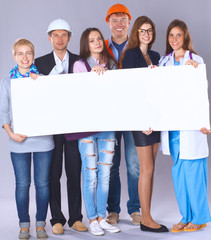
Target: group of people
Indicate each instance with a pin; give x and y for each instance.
(97, 154)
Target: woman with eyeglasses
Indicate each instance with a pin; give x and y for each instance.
(188, 149)
(139, 54)
(23, 149)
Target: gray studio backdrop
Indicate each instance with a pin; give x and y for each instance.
(30, 19)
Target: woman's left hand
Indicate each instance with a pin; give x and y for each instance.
(148, 132)
(98, 69)
(205, 131)
(33, 75)
(192, 62)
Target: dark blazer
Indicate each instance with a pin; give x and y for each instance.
(47, 62)
(134, 58)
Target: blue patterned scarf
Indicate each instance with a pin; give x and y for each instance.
(14, 73)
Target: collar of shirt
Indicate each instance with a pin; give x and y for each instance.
(113, 49)
(64, 62)
(96, 60)
(169, 59)
(93, 62)
(110, 42)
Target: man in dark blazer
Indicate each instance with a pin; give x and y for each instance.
(60, 61)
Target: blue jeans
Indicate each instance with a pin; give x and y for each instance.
(96, 171)
(132, 164)
(22, 169)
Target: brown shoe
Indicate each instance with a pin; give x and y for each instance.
(136, 218)
(113, 218)
(57, 229)
(79, 226)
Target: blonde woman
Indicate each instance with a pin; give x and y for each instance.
(23, 149)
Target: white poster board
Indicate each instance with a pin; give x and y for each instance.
(163, 98)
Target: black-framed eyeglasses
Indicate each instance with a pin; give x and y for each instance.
(142, 32)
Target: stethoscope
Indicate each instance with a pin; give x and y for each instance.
(170, 54)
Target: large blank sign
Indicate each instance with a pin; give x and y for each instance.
(165, 98)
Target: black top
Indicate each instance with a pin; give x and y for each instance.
(134, 59)
(47, 62)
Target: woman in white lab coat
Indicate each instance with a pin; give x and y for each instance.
(188, 149)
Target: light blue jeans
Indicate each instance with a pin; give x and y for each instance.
(133, 171)
(96, 153)
(22, 169)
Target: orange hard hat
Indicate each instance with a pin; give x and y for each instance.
(117, 8)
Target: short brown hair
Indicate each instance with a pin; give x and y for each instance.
(20, 42)
(118, 14)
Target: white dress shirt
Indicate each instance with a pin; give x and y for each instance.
(61, 66)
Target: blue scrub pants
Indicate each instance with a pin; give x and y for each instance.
(190, 184)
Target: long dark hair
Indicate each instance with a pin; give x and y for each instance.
(85, 52)
(133, 40)
(187, 45)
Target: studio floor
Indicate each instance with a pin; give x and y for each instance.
(164, 210)
(9, 226)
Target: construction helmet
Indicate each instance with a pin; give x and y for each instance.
(117, 8)
(59, 24)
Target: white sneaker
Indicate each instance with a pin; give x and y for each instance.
(108, 227)
(95, 229)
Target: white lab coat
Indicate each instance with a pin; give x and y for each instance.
(193, 144)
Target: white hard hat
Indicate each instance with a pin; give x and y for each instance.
(59, 24)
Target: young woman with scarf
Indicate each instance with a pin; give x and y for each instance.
(23, 149)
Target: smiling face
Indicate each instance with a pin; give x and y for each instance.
(24, 56)
(95, 44)
(145, 34)
(176, 38)
(59, 39)
(119, 25)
